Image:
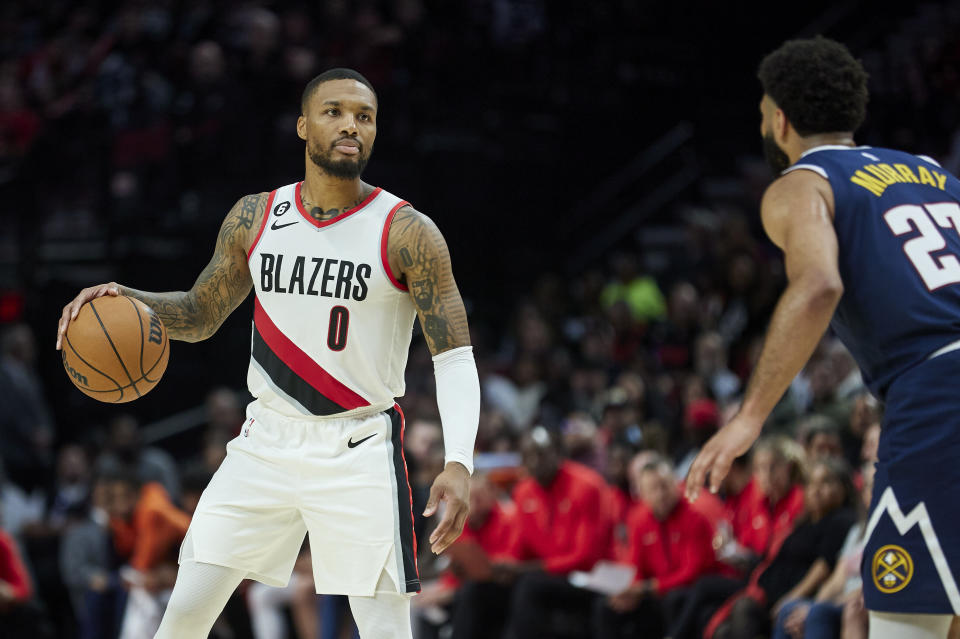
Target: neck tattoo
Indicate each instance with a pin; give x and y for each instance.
(322, 215)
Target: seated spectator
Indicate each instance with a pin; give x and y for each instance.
(758, 515)
(70, 491)
(19, 618)
(774, 498)
(125, 449)
(864, 412)
(26, 425)
(738, 489)
(637, 289)
(671, 545)
(224, 411)
(618, 501)
(798, 564)
(562, 528)
(871, 444)
(839, 601)
(700, 421)
(480, 603)
(710, 361)
(85, 559)
(147, 529)
(821, 438)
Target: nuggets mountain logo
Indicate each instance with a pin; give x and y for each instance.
(892, 569)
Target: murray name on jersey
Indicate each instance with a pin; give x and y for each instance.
(305, 275)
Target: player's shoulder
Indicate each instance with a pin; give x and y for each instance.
(246, 215)
(796, 183)
(254, 202)
(415, 232)
(408, 218)
(796, 189)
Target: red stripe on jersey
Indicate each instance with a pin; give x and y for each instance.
(384, 237)
(403, 423)
(263, 224)
(345, 214)
(302, 364)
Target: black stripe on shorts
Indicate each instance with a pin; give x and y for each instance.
(404, 504)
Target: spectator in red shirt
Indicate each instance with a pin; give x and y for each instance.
(671, 545)
(771, 501)
(618, 502)
(562, 528)
(19, 617)
(481, 603)
(765, 513)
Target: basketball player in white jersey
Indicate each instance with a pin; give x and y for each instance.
(339, 269)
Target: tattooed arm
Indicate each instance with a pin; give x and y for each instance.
(418, 254)
(196, 314)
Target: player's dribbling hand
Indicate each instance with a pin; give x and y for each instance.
(70, 310)
(718, 454)
(453, 487)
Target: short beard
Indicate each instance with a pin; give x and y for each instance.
(344, 169)
(776, 158)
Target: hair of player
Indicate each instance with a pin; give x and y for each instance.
(338, 73)
(818, 84)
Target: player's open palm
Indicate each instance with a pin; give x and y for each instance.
(70, 310)
(718, 453)
(452, 487)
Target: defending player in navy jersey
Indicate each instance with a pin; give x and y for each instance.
(340, 270)
(871, 240)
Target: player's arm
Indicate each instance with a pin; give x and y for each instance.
(796, 213)
(418, 255)
(196, 314)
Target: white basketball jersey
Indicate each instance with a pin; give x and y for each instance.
(331, 324)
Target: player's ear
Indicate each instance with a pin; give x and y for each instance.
(780, 124)
(302, 128)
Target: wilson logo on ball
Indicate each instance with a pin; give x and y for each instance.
(71, 371)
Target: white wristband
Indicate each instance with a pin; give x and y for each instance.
(458, 398)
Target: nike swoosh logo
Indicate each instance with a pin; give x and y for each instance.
(275, 226)
(354, 444)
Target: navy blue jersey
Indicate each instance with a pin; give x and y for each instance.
(897, 219)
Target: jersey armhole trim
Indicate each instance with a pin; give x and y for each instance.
(819, 170)
(384, 238)
(263, 224)
(927, 158)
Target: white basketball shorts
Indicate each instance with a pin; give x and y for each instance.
(342, 480)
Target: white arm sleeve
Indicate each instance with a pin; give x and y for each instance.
(458, 398)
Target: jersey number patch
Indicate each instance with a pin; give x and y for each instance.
(936, 272)
(337, 332)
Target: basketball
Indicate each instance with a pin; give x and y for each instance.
(116, 350)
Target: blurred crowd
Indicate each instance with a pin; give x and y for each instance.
(595, 401)
(598, 386)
